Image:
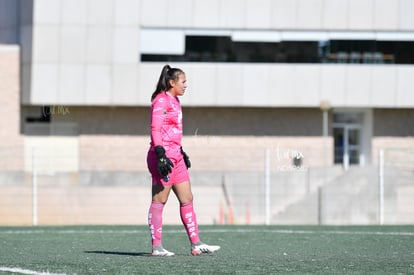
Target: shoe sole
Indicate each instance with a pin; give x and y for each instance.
(199, 252)
(163, 255)
(159, 255)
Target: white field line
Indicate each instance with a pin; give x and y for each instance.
(277, 231)
(26, 271)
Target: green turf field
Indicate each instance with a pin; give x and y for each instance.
(245, 250)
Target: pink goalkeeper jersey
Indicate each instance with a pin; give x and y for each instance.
(166, 121)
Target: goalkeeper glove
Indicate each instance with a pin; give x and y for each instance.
(164, 163)
(186, 158)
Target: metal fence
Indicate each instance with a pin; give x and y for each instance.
(271, 186)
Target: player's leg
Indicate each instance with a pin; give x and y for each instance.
(187, 213)
(160, 195)
(189, 219)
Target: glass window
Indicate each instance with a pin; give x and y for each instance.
(199, 48)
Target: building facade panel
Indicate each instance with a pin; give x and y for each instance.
(405, 95)
(335, 14)
(358, 86)
(72, 44)
(148, 77)
(384, 81)
(342, 85)
(125, 84)
(386, 15)
(72, 84)
(309, 14)
(47, 12)
(280, 14)
(98, 89)
(112, 40)
(180, 13)
(305, 86)
(229, 85)
(99, 45)
(406, 15)
(152, 15)
(44, 84)
(206, 14)
(73, 12)
(258, 15)
(100, 12)
(236, 9)
(280, 78)
(46, 44)
(127, 13)
(360, 14)
(333, 84)
(198, 78)
(255, 81)
(125, 46)
(284, 14)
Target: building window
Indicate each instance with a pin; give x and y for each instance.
(199, 48)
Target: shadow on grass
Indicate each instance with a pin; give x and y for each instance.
(135, 254)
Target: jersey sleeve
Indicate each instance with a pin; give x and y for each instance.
(158, 112)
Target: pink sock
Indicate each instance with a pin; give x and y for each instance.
(188, 217)
(155, 222)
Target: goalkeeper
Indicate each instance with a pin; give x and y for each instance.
(168, 163)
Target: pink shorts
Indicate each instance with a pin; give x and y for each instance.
(179, 172)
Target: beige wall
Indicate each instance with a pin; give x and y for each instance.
(399, 151)
(207, 153)
(222, 121)
(11, 140)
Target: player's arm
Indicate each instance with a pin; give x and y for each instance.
(159, 110)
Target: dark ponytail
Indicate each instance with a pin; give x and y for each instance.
(167, 74)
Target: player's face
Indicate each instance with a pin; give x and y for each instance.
(179, 86)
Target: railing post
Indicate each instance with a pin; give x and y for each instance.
(267, 187)
(381, 187)
(34, 189)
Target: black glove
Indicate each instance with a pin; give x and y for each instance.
(164, 163)
(186, 158)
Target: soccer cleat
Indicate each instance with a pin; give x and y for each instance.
(200, 248)
(161, 252)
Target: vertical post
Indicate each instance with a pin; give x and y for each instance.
(325, 122)
(325, 140)
(267, 187)
(34, 187)
(308, 187)
(346, 149)
(320, 206)
(381, 187)
(325, 106)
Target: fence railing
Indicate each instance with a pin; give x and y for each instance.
(275, 189)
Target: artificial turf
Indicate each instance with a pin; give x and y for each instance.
(244, 250)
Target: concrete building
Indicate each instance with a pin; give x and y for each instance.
(327, 80)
